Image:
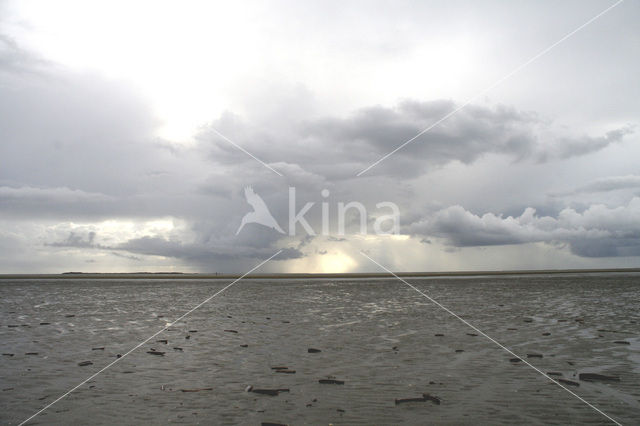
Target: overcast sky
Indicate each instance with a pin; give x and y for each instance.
(112, 159)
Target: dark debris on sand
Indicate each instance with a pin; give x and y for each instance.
(331, 382)
(592, 377)
(425, 397)
(270, 392)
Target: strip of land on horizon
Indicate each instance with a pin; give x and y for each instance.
(186, 275)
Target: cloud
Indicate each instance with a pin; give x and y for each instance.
(65, 129)
(340, 147)
(126, 256)
(598, 231)
(201, 253)
(75, 240)
(81, 149)
(606, 184)
(43, 202)
(15, 59)
(565, 148)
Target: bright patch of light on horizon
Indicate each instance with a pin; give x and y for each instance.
(336, 263)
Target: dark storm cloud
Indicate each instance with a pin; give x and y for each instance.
(598, 231)
(201, 253)
(338, 148)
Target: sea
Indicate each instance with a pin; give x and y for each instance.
(509, 349)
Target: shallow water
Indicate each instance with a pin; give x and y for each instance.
(355, 323)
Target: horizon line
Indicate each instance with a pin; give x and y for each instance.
(318, 275)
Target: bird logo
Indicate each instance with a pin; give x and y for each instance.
(260, 213)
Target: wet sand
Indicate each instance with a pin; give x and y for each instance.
(376, 342)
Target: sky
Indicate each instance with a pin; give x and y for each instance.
(129, 132)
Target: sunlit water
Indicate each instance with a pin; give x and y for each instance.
(355, 323)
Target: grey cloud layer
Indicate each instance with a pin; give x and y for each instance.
(610, 183)
(599, 231)
(77, 147)
(340, 147)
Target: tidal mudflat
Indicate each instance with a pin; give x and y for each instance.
(322, 351)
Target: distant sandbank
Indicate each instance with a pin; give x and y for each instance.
(181, 275)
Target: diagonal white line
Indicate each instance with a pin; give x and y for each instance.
(498, 82)
(493, 340)
(245, 151)
(149, 338)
